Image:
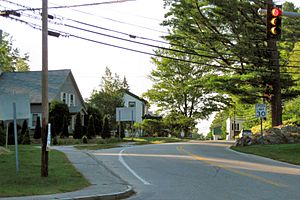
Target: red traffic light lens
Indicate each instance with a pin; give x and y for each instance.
(276, 12)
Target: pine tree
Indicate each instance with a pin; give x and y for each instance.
(25, 138)
(78, 127)
(91, 132)
(38, 129)
(106, 128)
(65, 131)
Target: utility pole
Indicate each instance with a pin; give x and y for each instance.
(45, 104)
(274, 62)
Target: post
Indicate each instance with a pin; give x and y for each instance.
(261, 126)
(274, 62)
(45, 105)
(16, 137)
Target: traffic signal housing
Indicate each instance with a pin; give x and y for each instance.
(274, 14)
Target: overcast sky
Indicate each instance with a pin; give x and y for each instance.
(88, 60)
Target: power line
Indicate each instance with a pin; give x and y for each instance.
(35, 26)
(72, 6)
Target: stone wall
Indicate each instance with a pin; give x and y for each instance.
(278, 135)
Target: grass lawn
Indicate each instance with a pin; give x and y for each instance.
(62, 177)
(283, 152)
(97, 146)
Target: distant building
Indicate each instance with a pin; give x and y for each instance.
(62, 87)
(233, 127)
(140, 105)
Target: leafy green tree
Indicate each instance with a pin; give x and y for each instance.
(78, 127)
(91, 132)
(110, 95)
(106, 128)
(10, 58)
(178, 123)
(97, 115)
(37, 129)
(58, 112)
(152, 127)
(222, 31)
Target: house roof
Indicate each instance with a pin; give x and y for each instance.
(30, 83)
(135, 96)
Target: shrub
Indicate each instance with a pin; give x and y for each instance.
(78, 127)
(2, 136)
(25, 133)
(84, 140)
(38, 129)
(58, 114)
(65, 131)
(106, 128)
(91, 132)
(11, 136)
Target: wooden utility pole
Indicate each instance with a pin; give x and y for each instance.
(45, 104)
(276, 85)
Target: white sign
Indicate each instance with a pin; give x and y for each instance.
(261, 110)
(22, 106)
(124, 114)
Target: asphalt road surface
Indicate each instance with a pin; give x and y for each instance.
(201, 170)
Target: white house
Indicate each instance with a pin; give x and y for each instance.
(138, 104)
(233, 127)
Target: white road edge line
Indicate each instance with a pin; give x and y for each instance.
(131, 170)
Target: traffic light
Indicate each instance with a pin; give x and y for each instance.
(274, 21)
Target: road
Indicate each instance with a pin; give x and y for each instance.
(200, 171)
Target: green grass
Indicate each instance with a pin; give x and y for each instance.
(283, 152)
(63, 177)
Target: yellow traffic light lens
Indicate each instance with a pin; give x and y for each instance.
(275, 31)
(274, 21)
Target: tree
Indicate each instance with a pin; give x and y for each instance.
(65, 130)
(237, 59)
(58, 113)
(106, 128)
(25, 138)
(97, 116)
(178, 87)
(78, 127)
(2, 136)
(110, 95)
(38, 129)
(91, 132)
(10, 58)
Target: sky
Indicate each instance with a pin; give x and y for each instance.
(88, 60)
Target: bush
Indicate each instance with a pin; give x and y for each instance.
(84, 140)
(106, 128)
(25, 133)
(91, 132)
(78, 127)
(11, 136)
(2, 136)
(38, 129)
(54, 140)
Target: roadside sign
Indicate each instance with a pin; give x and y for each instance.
(261, 110)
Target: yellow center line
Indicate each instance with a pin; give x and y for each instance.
(214, 163)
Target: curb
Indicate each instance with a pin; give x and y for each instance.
(121, 195)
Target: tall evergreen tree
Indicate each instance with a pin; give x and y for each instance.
(38, 129)
(106, 128)
(78, 127)
(91, 132)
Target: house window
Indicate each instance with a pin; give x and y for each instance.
(71, 100)
(236, 128)
(131, 104)
(63, 97)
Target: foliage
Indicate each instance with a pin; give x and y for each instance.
(177, 123)
(152, 127)
(25, 133)
(84, 139)
(110, 95)
(77, 134)
(235, 59)
(2, 136)
(97, 115)
(11, 134)
(106, 127)
(10, 58)
(65, 129)
(292, 112)
(38, 129)
(91, 132)
(209, 136)
(58, 113)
